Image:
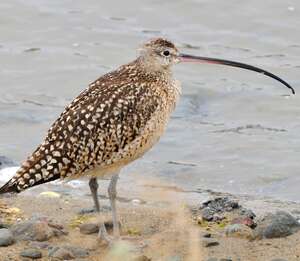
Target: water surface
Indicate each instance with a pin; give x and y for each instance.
(236, 131)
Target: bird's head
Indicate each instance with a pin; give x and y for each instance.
(159, 55)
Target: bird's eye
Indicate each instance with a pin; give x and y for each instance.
(166, 53)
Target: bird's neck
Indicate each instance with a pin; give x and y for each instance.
(150, 67)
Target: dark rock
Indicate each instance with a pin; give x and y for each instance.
(280, 224)
(212, 259)
(206, 235)
(32, 231)
(6, 237)
(220, 204)
(31, 253)
(214, 210)
(225, 259)
(89, 228)
(239, 230)
(209, 242)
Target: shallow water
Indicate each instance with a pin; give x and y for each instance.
(234, 130)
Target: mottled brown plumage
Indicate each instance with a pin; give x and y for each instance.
(114, 121)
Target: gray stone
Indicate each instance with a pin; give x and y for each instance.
(31, 253)
(209, 242)
(61, 254)
(239, 230)
(225, 259)
(32, 231)
(280, 224)
(212, 259)
(6, 237)
(77, 251)
(68, 252)
(89, 228)
(207, 214)
(39, 245)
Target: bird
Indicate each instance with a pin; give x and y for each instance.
(114, 121)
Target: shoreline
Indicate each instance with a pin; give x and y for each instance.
(158, 225)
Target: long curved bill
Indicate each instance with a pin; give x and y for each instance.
(200, 59)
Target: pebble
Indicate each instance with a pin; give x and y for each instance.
(89, 228)
(39, 245)
(280, 224)
(142, 258)
(61, 254)
(208, 242)
(6, 237)
(279, 259)
(244, 220)
(239, 230)
(50, 194)
(31, 253)
(212, 259)
(68, 252)
(206, 235)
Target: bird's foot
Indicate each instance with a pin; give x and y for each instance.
(104, 236)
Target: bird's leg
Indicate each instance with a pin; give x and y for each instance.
(112, 194)
(94, 190)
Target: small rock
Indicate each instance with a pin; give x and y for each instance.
(239, 230)
(208, 242)
(89, 228)
(31, 253)
(206, 235)
(33, 49)
(207, 214)
(77, 251)
(280, 224)
(225, 259)
(142, 258)
(39, 245)
(68, 252)
(212, 259)
(279, 259)
(61, 254)
(50, 194)
(6, 237)
(245, 221)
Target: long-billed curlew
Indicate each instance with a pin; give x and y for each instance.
(118, 118)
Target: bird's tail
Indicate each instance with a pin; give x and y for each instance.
(37, 169)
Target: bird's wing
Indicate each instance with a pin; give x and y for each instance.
(103, 119)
